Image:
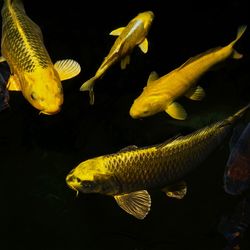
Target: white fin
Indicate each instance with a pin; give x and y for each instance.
(144, 46)
(137, 203)
(196, 93)
(152, 77)
(176, 111)
(13, 84)
(2, 59)
(128, 148)
(89, 86)
(178, 190)
(165, 143)
(117, 32)
(125, 61)
(67, 69)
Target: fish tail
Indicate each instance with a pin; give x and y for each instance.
(240, 32)
(89, 86)
(232, 119)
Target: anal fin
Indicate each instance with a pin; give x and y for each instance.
(196, 93)
(178, 190)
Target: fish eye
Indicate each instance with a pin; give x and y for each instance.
(33, 96)
(78, 179)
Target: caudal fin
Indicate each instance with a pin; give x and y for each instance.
(89, 86)
(240, 32)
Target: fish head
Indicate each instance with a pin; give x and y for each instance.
(147, 18)
(91, 176)
(43, 90)
(145, 105)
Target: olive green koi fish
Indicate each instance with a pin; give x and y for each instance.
(129, 173)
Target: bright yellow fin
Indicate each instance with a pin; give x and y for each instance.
(13, 84)
(136, 203)
(176, 111)
(152, 77)
(67, 69)
(196, 93)
(125, 61)
(144, 46)
(117, 32)
(178, 190)
(2, 59)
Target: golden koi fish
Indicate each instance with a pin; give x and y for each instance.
(129, 173)
(32, 71)
(160, 94)
(128, 38)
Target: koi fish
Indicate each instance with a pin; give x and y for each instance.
(237, 171)
(161, 93)
(32, 71)
(129, 173)
(128, 38)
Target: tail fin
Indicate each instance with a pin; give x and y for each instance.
(89, 86)
(238, 114)
(240, 32)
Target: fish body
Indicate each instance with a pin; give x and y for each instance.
(161, 93)
(128, 38)
(127, 174)
(237, 171)
(32, 70)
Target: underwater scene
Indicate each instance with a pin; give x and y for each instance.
(125, 125)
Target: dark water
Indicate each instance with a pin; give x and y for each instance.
(39, 211)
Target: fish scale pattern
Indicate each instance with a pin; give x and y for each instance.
(161, 165)
(22, 43)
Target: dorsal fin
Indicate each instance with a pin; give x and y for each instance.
(194, 58)
(128, 148)
(162, 145)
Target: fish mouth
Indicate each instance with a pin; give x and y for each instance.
(49, 112)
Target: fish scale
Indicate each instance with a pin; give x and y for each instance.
(151, 167)
(27, 52)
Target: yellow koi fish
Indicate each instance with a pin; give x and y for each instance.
(160, 94)
(129, 173)
(128, 38)
(32, 71)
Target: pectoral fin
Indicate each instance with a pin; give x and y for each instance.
(178, 190)
(117, 32)
(196, 93)
(13, 84)
(125, 61)
(176, 111)
(2, 59)
(152, 77)
(67, 69)
(144, 46)
(137, 203)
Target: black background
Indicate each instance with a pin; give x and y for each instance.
(37, 151)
